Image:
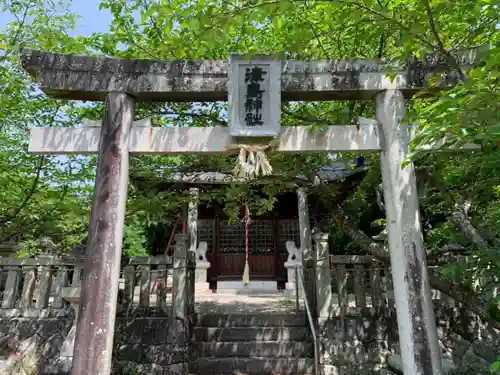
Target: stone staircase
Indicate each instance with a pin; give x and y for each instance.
(259, 343)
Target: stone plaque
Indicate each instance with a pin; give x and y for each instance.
(254, 96)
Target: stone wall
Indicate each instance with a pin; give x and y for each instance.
(145, 343)
(358, 343)
(361, 342)
(470, 343)
(29, 343)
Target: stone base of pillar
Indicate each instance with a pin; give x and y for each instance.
(200, 280)
(72, 295)
(291, 285)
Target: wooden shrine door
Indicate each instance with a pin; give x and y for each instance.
(268, 235)
(226, 249)
(262, 245)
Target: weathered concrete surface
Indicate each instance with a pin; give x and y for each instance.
(469, 342)
(144, 345)
(359, 344)
(211, 140)
(412, 292)
(215, 140)
(359, 341)
(91, 78)
(29, 346)
(350, 346)
(96, 319)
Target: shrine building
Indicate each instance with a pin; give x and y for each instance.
(268, 234)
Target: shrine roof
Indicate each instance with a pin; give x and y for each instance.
(333, 171)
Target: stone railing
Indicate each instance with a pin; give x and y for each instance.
(28, 286)
(352, 286)
(360, 281)
(147, 282)
(47, 285)
(39, 307)
(349, 284)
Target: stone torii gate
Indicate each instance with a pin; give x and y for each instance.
(121, 83)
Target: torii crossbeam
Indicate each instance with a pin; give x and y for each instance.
(123, 82)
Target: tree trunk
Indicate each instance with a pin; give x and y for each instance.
(461, 220)
(459, 212)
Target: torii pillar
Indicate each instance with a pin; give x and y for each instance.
(418, 340)
(96, 318)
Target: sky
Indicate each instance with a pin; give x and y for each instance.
(91, 18)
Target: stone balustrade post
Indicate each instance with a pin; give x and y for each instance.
(293, 261)
(202, 266)
(180, 286)
(71, 295)
(28, 286)
(323, 277)
(200, 250)
(11, 290)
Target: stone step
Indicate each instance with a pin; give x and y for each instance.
(264, 293)
(161, 355)
(253, 285)
(251, 320)
(128, 367)
(251, 366)
(251, 334)
(240, 349)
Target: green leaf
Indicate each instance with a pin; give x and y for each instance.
(495, 366)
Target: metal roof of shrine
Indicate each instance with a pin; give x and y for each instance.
(334, 171)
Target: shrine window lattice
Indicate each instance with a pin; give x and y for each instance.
(289, 231)
(261, 237)
(206, 232)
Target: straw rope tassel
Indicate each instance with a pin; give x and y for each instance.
(252, 159)
(246, 271)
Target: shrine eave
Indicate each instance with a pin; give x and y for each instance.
(91, 77)
(332, 172)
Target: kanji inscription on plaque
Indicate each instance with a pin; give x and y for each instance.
(254, 97)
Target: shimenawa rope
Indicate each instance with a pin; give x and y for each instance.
(252, 159)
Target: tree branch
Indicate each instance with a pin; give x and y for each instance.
(27, 197)
(459, 215)
(461, 220)
(17, 35)
(432, 24)
(190, 114)
(32, 190)
(385, 17)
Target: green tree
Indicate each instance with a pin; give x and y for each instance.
(459, 192)
(41, 195)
